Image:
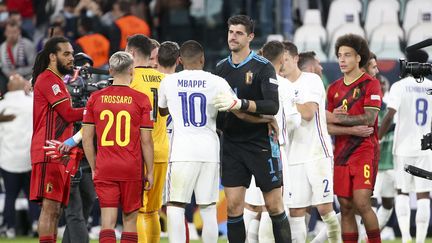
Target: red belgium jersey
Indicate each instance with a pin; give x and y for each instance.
(118, 113)
(49, 91)
(364, 92)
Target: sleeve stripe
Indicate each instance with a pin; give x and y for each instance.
(146, 128)
(372, 107)
(59, 101)
(87, 124)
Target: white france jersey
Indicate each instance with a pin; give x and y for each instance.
(310, 141)
(413, 115)
(189, 97)
(286, 95)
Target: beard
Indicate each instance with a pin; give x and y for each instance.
(63, 69)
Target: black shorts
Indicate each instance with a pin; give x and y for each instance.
(242, 160)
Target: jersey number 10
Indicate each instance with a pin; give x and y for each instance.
(188, 109)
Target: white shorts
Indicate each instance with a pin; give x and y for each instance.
(385, 184)
(409, 183)
(309, 184)
(254, 195)
(184, 178)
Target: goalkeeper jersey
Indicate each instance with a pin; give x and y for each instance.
(147, 80)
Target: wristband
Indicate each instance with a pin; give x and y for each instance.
(244, 104)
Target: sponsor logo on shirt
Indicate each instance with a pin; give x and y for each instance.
(56, 89)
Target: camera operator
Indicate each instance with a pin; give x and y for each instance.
(82, 193)
(410, 104)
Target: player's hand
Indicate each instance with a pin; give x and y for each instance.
(273, 129)
(67, 145)
(340, 111)
(52, 149)
(148, 182)
(361, 131)
(6, 118)
(226, 102)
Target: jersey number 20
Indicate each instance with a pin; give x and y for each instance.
(123, 117)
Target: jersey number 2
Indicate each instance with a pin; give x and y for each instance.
(123, 117)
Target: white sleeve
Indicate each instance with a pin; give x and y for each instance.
(394, 96)
(225, 87)
(313, 91)
(162, 101)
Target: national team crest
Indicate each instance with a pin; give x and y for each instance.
(248, 77)
(356, 93)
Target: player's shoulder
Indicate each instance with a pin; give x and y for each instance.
(260, 59)
(222, 62)
(335, 83)
(311, 77)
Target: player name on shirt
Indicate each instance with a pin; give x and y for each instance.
(151, 78)
(423, 90)
(192, 83)
(116, 99)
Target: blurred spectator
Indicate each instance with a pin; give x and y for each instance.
(93, 44)
(172, 20)
(17, 54)
(15, 141)
(25, 8)
(54, 30)
(154, 53)
(125, 25)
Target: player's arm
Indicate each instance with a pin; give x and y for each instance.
(359, 131)
(163, 111)
(147, 151)
(368, 118)
(88, 144)
(68, 113)
(307, 110)
(386, 122)
(162, 100)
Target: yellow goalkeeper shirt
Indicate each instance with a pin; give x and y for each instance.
(147, 80)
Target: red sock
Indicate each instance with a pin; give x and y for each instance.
(350, 237)
(374, 236)
(129, 237)
(46, 239)
(187, 231)
(55, 238)
(107, 236)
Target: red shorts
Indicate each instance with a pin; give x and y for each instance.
(127, 194)
(49, 180)
(358, 173)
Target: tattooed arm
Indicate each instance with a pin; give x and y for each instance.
(368, 118)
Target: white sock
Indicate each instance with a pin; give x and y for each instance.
(176, 226)
(252, 231)
(334, 231)
(248, 215)
(210, 231)
(321, 237)
(403, 213)
(383, 216)
(422, 219)
(298, 229)
(265, 231)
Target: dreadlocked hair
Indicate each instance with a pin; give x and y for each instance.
(42, 59)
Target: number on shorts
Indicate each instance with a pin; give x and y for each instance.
(123, 117)
(270, 161)
(421, 108)
(366, 171)
(326, 183)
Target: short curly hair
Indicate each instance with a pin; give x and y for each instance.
(358, 43)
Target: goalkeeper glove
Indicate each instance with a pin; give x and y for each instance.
(228, 102)
(52, 149)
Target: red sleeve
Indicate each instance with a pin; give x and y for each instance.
(373, 96)
(146, 121)
(88, 112)
(68, 113)
(330, 97)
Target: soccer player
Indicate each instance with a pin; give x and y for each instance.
(408, 102)
(147, 80)
(308, 62)
(310, 155)
(120, 118)
(168, 57)
(247, 147)
(194, 158)
(354, 100)
(53, 118)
